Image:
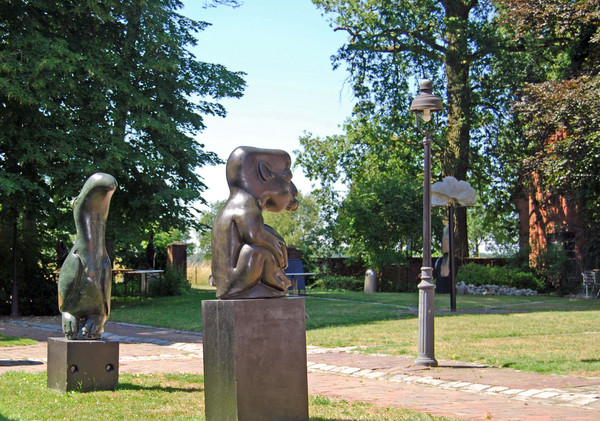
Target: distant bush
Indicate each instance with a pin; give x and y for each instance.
(475, 274)
(172, 282)
(336, 283)
(388, 285)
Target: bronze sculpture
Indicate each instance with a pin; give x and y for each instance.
(249, 257)
(84, 284)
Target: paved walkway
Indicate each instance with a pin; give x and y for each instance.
(454, 389)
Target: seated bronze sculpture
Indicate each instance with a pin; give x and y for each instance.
(249, 257)
(84, 284)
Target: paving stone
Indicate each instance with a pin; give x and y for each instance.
(431, 381)
(512, 391)
(398, 378)
(530, 392)
(496, 389)
(328, 367)
(318, 366)
(362, 373)
(584, 401)
(410, 379)
(349, 370)
(476, 387)
(461, 385)
(374, 374)
(546, 395)
(567, 397)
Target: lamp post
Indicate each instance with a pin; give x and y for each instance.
(424, 105)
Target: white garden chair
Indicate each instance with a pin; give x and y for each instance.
(589, 284)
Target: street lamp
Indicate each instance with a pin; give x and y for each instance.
(425, 104)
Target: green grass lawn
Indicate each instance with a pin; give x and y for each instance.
(181, 312)
(6, 340)
(540, 334)
(153, 397)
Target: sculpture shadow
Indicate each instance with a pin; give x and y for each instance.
(3, 418)
(463, 366)
(12, 363)
(169, 389)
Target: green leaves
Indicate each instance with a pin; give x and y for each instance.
(104, 86)
(381, 217)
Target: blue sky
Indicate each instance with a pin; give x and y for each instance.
(284, 46)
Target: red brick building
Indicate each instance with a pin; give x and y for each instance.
(546, 219)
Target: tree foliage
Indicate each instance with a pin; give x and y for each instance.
(381, 219)
(101, 86)
(391, 46)
(560, 108)
(302, 228)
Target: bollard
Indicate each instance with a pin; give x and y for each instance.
(370, 281)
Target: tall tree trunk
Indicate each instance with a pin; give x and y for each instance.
(455, 160)
(14, 304)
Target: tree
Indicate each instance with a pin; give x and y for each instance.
(381, 218)
(392, 45)
(204, 232)
(124, 96)
(301, 228)
(560, 107)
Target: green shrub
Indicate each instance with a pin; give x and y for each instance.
(521, 279)
(388, 285)
(474, 274)
(172, 282)
(336, 282)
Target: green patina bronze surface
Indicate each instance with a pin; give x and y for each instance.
(84, 284)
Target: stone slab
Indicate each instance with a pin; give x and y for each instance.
(82, 365)
(255, 359)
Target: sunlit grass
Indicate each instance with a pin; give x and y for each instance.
(545, 342)
(180, 312)
(153, 397)
(541, 334)
(6, 340)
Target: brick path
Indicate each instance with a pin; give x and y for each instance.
(454, 389)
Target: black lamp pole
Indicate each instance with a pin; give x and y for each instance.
(423, 105)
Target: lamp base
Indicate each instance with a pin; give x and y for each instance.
(426, 319)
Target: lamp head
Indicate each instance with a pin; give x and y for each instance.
(426, 102)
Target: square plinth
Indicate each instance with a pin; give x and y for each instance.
(255, 359)
(82, 365)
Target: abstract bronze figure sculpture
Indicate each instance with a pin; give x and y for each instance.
(84, 284)
(249, 257)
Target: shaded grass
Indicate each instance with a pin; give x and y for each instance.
(6, 341)
(155, 397)
(442, 301)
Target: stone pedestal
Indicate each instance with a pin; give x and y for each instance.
(177, 257)
(82, 365)
(255, 359)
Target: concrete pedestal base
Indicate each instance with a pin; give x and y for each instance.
(82, 365)
(255, 359)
